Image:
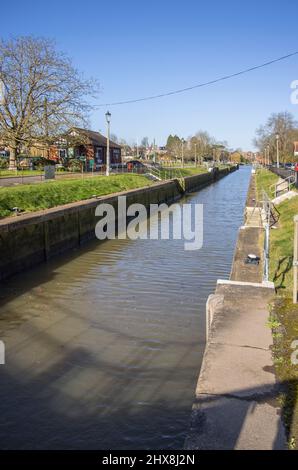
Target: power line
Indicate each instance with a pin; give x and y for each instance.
(200, 85)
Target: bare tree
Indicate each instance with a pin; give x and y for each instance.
(114, 138)
(145, 142)
(285, 126)
(42, 94)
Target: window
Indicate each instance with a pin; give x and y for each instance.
(62, 153)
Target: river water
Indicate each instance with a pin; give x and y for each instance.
(104, 345)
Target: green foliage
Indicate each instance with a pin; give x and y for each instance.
(3, 163)
(272, 323)
(174, 146)
(75, 165)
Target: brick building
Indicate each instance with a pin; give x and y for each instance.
(84, 143)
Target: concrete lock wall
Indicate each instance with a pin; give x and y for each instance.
(32, 238)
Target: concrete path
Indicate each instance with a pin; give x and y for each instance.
(14, 180)
(235, 406)
(17, 180)
(282, 185)
(247, 243)
(236, 395)
(284, 197)
(253, 216)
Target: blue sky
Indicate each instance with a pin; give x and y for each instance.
(137, 48)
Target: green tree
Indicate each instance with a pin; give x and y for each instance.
(174, 146)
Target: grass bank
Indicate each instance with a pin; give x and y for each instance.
(281, 247)
(45, 195)
(284, 314)
(284, 324)
(265, 179)
(168, 173)
(281, 237)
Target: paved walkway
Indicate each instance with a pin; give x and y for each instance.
(17, 180)
(235, 405)
(284, 197)
(236, 395)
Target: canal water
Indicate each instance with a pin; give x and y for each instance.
(104, 345)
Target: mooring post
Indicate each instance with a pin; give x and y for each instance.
(295, 260)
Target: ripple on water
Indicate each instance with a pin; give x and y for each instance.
(105, 344)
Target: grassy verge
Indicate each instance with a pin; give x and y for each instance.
(169, 173)
(284, 324)
(284, 314)
(281, 238)
(281, 247)
(39, 196)
(265, 179)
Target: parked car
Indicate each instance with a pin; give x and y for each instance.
(135, 163)
(117, 166)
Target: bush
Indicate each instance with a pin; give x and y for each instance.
(40, 162)
(3, 163)
(74, 165)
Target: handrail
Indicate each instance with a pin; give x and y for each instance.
(155, 172)
(270, 218)
(267, 211)
(290, 180)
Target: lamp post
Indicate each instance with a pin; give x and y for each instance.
(108, 119)
(277, 149)
(182, 151)
(268, 153)
(195, 154)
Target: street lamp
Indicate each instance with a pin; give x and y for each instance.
(277, 149)
(268, 154)
(108, 119)
(182, 151)
(195, 154)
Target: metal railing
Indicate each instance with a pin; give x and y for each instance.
(295, 260)
(270, 217)
(266, 222)
(284, 185)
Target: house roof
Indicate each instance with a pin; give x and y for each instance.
(95, 138)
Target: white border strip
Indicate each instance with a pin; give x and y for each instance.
(267, 284)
